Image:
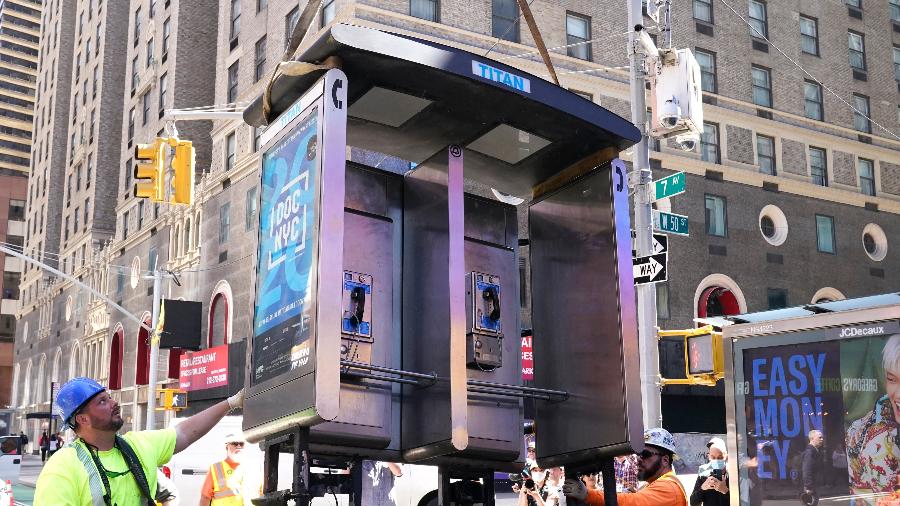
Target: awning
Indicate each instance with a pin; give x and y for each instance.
(411, 98)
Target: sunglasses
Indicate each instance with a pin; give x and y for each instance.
(646, 454)
(239, 445)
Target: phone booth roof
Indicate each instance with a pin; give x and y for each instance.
(411, 98)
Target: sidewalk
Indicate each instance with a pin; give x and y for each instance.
(24, 490)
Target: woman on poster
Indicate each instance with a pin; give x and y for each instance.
(873, 441)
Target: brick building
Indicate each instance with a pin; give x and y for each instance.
(793, 197)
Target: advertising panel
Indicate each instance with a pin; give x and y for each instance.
(288, 238)
(527, 357)
(205, 369)
(821, 414)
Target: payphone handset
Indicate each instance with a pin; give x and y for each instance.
(484, 349)
(356, 320)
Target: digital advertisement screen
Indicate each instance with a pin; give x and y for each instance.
(822, 415)
(286, 264)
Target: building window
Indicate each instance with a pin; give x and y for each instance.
(235, 22)
(866, 170)
(134, 75)
(16, 210)
(861, 120)
(145, 101)
(777, 298)
(578, 31)
(759, 19)
(762, 86)
(163, 87)
(261, 4)
(825, 233)
(232, 82)
(716, 219)
(818, 166)
(662, 301)
(809, 35)
(765, 154)
(505, 20)
(229, 151)
(854, 3)
(149, 52)
(250, 218)
(703, 10)
(857, 47)
(152, 9)
(290, 22)
(167, 31)
(897, 63)
(260, 59)
(426, 9)
(328, 11)
(812, 100)
(152, 257)
(895, 10)
(137, 26)
(128, 176)
(140, 214)
(224, 222)
(709, 143)
(707, 62)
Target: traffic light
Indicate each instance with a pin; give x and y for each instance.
(183, 178)
(171, 399)
(704, 357)
(151, 166)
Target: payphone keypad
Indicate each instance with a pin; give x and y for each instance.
(484, 349)
(356, 321)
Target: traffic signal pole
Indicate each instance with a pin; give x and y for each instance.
(641, 179)
(154, 350)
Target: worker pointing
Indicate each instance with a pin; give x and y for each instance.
(102, 468)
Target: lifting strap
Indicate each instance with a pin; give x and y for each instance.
(538, 40)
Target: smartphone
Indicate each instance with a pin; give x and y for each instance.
(718, 474)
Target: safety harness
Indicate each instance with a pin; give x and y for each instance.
(101, 492)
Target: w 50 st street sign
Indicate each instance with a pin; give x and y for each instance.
(670, 222)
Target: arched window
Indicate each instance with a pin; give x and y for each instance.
(827, 294)
(15, 386)
(142, 371)
(188, 241)
(116, 358)
(175, 251)
(76, 367)
(196, 241)
(26, 393)
(57, 362)
(718, 295)
(41, 386)
(220, 317)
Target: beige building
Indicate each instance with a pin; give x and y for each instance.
(19, 34)
(793, 196)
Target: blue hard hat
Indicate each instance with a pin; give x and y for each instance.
(74, 395)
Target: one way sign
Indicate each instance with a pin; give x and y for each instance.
(650, 269)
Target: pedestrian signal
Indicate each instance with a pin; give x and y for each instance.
(183, 178)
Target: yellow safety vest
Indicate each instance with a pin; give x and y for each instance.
(223, 495)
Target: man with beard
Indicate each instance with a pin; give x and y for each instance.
(654, 467)
(102, 468)
(226, 481)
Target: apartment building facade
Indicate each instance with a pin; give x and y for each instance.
(793, 196)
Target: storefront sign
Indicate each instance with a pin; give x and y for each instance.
(204, 369)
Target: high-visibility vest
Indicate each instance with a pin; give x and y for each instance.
(223, 494)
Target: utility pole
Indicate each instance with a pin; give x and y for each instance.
(641, 180)
(154, 349)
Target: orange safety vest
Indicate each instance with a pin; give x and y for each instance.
(223, 495)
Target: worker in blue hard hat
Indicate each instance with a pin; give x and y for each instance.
(103, 468)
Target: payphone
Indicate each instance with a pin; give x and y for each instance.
(484, 348)
(356, 323)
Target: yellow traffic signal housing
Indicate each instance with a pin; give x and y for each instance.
(183, 179)
(171, 399)
(704, 356)
(151, 166)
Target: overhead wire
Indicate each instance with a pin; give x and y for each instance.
(814, 78)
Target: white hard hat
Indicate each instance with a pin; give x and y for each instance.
(233, 437)
(660, 438)
(717, 441)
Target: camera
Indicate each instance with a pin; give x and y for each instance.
(687, 141)
(670, 113)
(528, 484)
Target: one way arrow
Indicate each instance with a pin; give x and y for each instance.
(649, 269)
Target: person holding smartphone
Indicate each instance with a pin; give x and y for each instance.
(711, 487)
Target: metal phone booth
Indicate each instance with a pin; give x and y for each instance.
(421, 315)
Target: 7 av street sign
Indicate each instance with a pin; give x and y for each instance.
(649, 269)
(668, 186)
(670, 222)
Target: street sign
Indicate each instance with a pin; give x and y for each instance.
(670, 222)
(668, 186)
(650, 269)
(659, 245)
